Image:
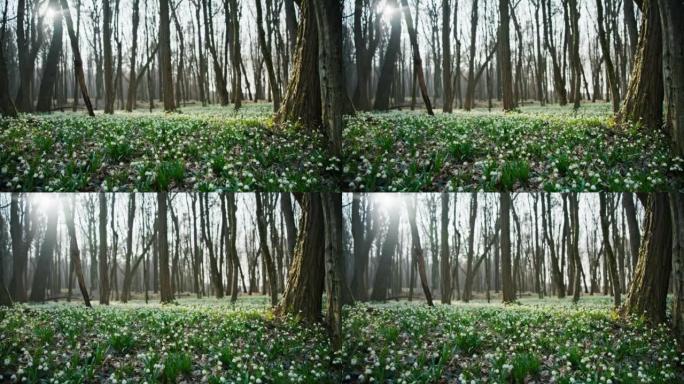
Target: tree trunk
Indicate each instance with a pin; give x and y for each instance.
(448, 94)
(164, 276)
(381, 283)
(305, 284)
(78, 62)
(505, 56)
(232, 239)
(74, 252)
(132, 83)
(110, 90)
(605, 47)
(334, 231)
(418, 61)
(418, 258)
(103, 266)
(677, 207)
(268, 60)
(165, 58)
(382, 96)
(445, 264)
(266, 253)
(506, 276)
(648, 291)
(43, 264)
(632, 225)
(608, 249)
(671, 16)
(47, 84)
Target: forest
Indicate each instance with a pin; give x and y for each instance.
(363, 95)
(257, 288)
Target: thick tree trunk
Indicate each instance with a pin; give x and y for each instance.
(44, 262)
(643, 102)
(165, 56)
(165, 289)
(47, 83)
(632, 226)
(648, 291)
(132, 83)
(305, 284)
(334, 231)
(383, 274)
(448, 96)
(677, 208)
(302, 101)
(387, 73)
(504, 58)
(445, 262)
(110, 91)
(671, 16)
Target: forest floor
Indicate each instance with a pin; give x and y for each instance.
(211, 341)
(548, 148)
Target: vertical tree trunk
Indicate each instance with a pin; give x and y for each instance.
(381, 283)
(671, 15)
(110, 90)
(50, 67)
(574, 248)
(43, 264)
(387, 73)
(504, 58)
(305, 282)
(164, 275)
(132, 83)
(677, 207)
(648, 291)
(547, 229)
(632, 225)
(334, 231)
(165, 56)
(608, 249)
(266, 253)
(236, 55)
(232, 239)
(268, 60)
(605, 47)
(125, 290)
(448, 97)
(445, 264)
(506, 270)
(103, 265)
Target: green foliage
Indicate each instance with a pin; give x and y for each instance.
(175, 365)
(524, 365)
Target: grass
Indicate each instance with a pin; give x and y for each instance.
(209, 340)
(209, 149)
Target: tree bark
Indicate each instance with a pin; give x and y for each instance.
(417, 249)
(418, 61)
(605, 48)
(43, 264)
(445, 263)
(671, 16)
(608, 249)
(334, 231)
(50, 67)
(74, 252)
(265, 251)
(677, 208)
(648, 291)
(268, 60)
(102, 262)
(506, 275)
(165, 56)
(381, 282)
(505, 56)
(382, 96)
(164, 275)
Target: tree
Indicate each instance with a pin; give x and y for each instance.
(382, 96)
(547, 229)
(381, 282)
(445, 264)
(78, 62)
(605, 48)
(164, 276)
(417, 249)
(268, 60)
(506, 275)
(366, 40)
(232, 248)
(632, 226)
(643, 102)
(334, 232)
(448, 102)
(266, 253)
(305, 282)
(236, 55)
(110, 90)
(47, 84)
(677, 207)
(165, 55)
(29, 43)
(47, 249)
(648, 292)
(504, 58)
(363, 230)
(205, 226)
(132, 84)
(671, 14)
(608, 249)
(74, 252)
(103, 268)
(574, 245)
(417, 60)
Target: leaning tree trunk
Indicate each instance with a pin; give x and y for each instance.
(671, 16)
(418, 63)
(305, 283)
(78, 62)
(417, 249)
(648, 291)
(74, 252)
(643, 102)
